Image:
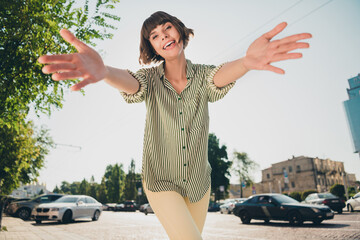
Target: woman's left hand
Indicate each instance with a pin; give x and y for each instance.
(262, 52)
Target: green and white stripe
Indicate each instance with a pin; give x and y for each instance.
(175, 154)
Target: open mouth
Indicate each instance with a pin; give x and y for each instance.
(169, 44)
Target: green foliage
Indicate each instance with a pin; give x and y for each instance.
(29, 29)
(130, 190)
(243, 166)
(296, 196)
(338, 190)
(307, 193)
(22, 153)
(220, 167)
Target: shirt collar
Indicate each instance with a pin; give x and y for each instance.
(189, 70)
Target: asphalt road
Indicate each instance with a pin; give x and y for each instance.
(135, 225)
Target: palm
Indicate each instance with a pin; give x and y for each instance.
(262, 52)
(86, 63)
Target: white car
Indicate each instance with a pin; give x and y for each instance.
(68, 208)
(225, 207)
(353, 203)
(148, 209)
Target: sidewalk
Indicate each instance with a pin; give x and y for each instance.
(18, 229)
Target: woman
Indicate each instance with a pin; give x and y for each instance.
(175, 171)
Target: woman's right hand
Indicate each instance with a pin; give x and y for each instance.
(86, 63)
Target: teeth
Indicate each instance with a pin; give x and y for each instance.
(168, 44)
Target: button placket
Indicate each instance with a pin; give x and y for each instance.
(183, 143)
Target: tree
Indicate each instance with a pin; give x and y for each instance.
(57, 190)
(338, 190)
(22, 153)
(220, 167)
(242, 166)
(29, 29)
(115, 181)
(296, 196)
(93, 188)
(84, 187)
(130, 191)
(102, 192)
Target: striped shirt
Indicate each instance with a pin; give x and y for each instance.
(175, 154)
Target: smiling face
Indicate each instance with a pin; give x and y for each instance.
(162, 37)
(166, 41)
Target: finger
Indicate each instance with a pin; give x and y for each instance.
(80, 85)
(274, 69)
(292, 46)
(66, 75)
(281, 57)
(295, 38)
(62, 58)
(275, 31)
(60, 67)
(70, 38)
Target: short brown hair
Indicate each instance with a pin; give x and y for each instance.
(147, 52)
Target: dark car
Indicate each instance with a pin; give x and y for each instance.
(22, 209)
(272, 206)
(126, 206)
(213, 207)
(328, 199)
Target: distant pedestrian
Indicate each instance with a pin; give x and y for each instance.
(176, 173)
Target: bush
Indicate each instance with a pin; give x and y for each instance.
(296, 196)
(338, 190)
(307, 193)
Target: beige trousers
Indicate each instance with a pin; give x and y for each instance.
(181, 219)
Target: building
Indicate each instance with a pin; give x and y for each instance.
(303, 173)
(352, 110)
(29, 190)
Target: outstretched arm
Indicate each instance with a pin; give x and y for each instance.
(261, 53)
(88, 65)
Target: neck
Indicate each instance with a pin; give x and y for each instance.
(175, 69)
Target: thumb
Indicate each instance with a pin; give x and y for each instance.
(70, 38)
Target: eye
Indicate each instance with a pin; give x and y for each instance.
(168, 27)
(154, 37)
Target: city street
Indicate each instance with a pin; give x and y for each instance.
(135, 225)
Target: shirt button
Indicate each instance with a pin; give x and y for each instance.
(179, 98)
(182, 129)
(180, 113)
(184, 180)
(184, 164)
(183, 147)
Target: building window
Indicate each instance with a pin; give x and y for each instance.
(290, 168)
(268, 176)
(298, 168)
(292, 184)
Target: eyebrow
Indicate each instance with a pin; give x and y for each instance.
(153, 32)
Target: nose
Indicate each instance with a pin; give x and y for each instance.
(164, 36)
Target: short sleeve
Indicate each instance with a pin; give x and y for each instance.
(215, 93)
(140, 95)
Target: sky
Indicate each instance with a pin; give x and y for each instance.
(269, 116)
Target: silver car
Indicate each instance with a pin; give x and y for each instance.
(353, 203)
(68, 208)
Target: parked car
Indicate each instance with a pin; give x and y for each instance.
(353, 203)
(68, 208)
(213, 207)
(148, 209)
(126, 206)
(328, 199)
(22, 209)
(7, 200)
(237, 200)
(225, 207)
(142, 207)
(110, 206)
(272, 206)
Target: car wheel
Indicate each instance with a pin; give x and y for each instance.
(350, 208)
(317, 221)
(96, 215)
(146, 212)
(295, 218)
(67, 218)
(245, 217)
(24, 213)
(340, 211)
(229, 212)
(38, 221)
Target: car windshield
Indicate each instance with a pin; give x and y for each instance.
(67, 200)
(326, 195)
(284, 199)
